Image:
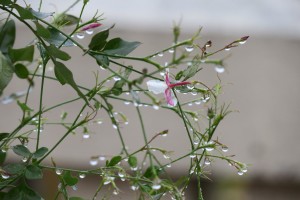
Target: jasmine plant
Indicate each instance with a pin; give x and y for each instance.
(53, 33)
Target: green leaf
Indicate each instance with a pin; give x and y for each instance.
(7, 36)
(3, 135)
(14, 168)
(65, 76)
(117, 46)
(132, 160)
(42, 31)
(190, 71)
(2, 157)
(6, 72)
(69, 179)
(57, 39)
(21, 150)
(21, 71)
(40, 15)
(152, 172)
(5, 2)
(23, 12)
(114, 161)
(101, 60)
(23, 54)
(22, 192)
(40, 152)
(57, 53)
(33, 172)
(24, 107)
(99, 40)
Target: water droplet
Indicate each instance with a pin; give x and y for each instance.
(219, 69)
(155, 107)
(240, 173)
(5, 176)
(75, 187)
(169, 165)
(242, 42)
(161, 54)
(99, 122)
(90, 31)
(127, 102)
(165, 135)
(166, 64)
(244, 169)
(116, 192)
(117, 78)
(121, 174)
(123, 179)
(171, 50)
(207, 161)
(196, 140)
(190, 86)
(192, 155)
(86, 136)
(134, 168)
(156, 186)
(103, 68)
(167, 155)
(106, 182)
(134, 187)
(190, 104)
(189, 48)
(162, 73)
(197, 102)
(196, 119)
(93, 161)
(3, 150)
(82, 175)
(102, 158)
(58, 171)
(194, 93)
(227, 49)
(59, 186)
(224, 148)
(115, 126)
(24, 159)
(80, 35)
(210, 148)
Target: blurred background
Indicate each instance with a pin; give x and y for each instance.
(261, 82)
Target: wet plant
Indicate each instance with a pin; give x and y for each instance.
(157, 86)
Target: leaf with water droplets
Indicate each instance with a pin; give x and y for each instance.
(21, 150)
(114, 161)
(33, 172)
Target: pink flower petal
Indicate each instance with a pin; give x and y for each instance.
(91, 26)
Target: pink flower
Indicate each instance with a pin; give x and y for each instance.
(158, 87)
(91, 26)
